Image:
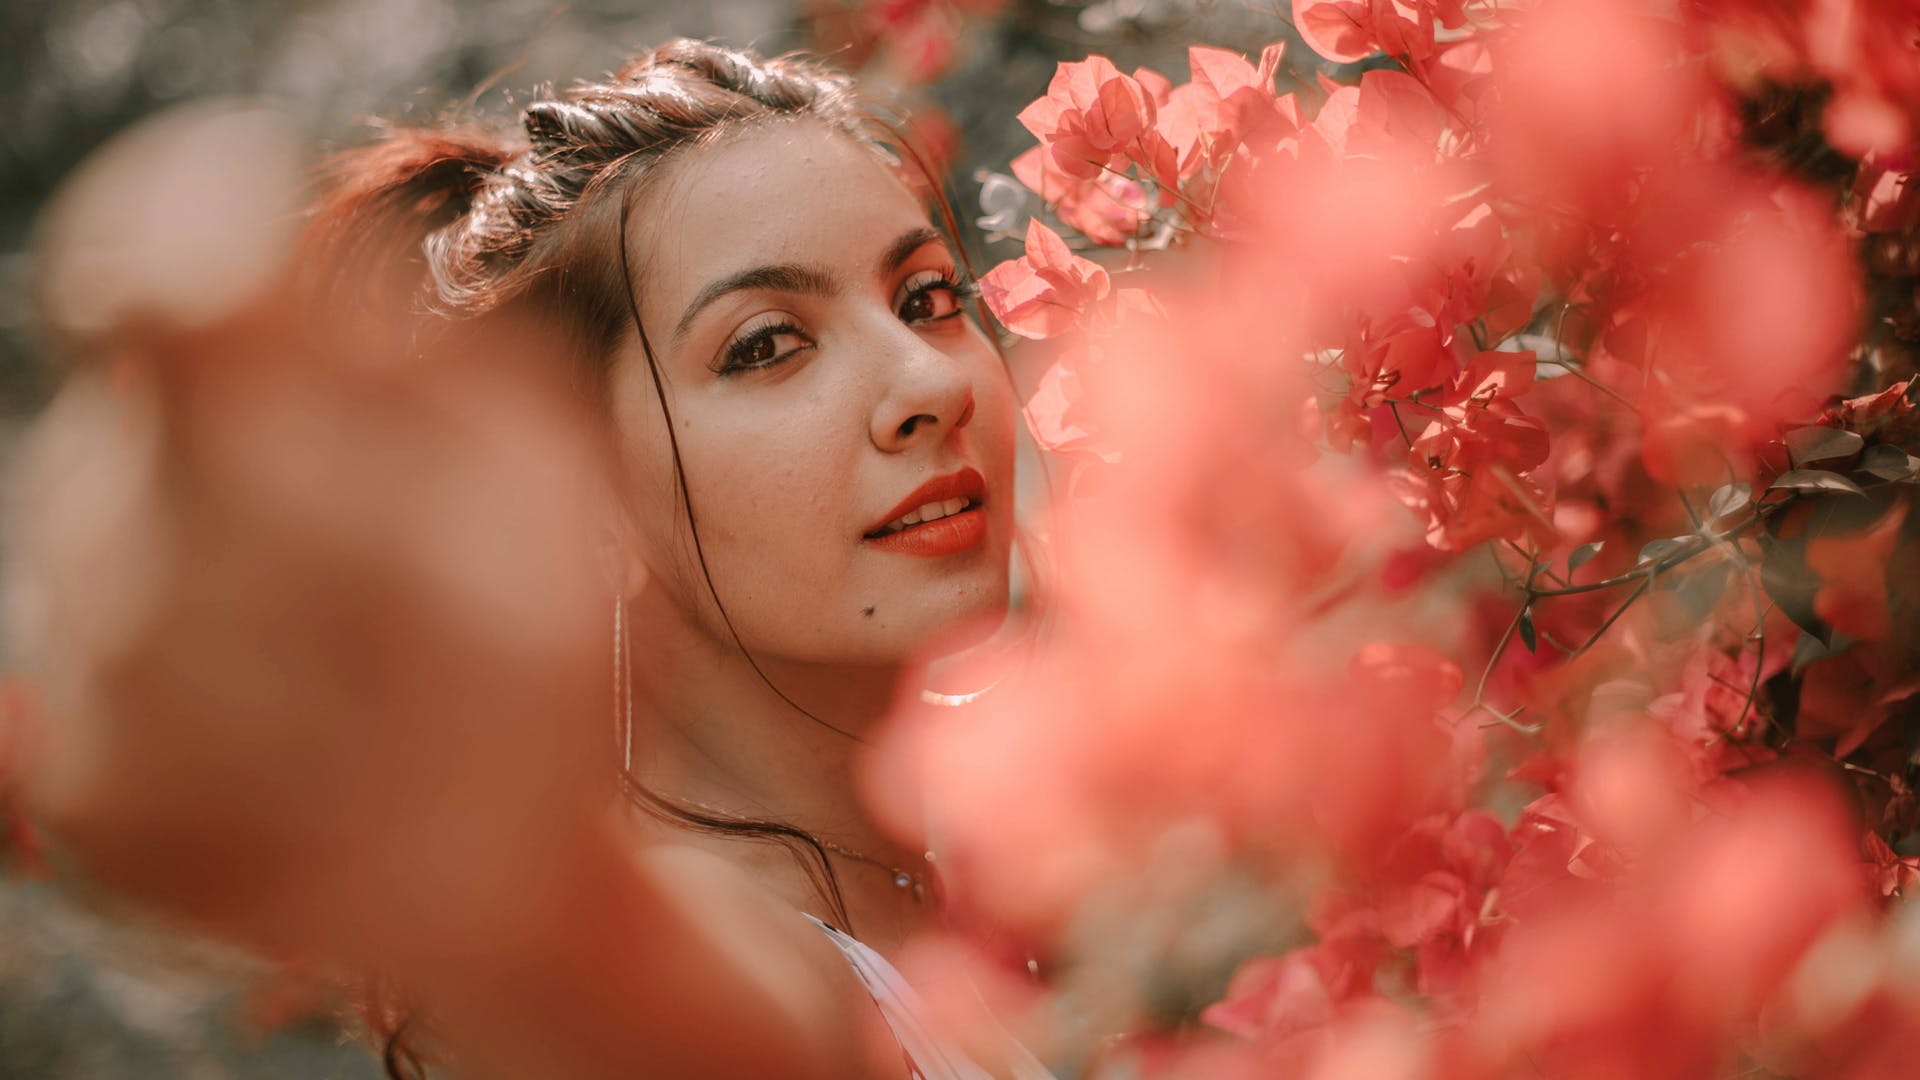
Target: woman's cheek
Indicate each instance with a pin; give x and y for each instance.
(776, 519)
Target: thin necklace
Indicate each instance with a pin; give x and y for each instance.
(922, 885)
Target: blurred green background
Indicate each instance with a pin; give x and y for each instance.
(86, 995)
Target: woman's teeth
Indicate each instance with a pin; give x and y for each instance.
(933, 511)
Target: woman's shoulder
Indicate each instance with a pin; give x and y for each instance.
(841, 981)
(758, 873)
(741, 904)
(757, 930)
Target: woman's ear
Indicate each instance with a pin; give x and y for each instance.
(616, 550)
(618, 555)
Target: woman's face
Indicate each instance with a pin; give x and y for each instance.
(845, 428)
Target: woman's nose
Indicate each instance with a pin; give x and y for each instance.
(929, 396)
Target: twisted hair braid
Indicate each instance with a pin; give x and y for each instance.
(601, 134)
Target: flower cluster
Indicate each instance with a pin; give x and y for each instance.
(1572, 335)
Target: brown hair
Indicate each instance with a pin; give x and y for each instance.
(529, 220)
(467, 225)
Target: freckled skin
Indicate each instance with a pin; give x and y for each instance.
(789, 465)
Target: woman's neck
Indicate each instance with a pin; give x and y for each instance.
(712, 732)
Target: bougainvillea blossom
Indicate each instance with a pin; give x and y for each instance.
(1107, 208)
(1610, 393)
(1046, 292)
(1092, 117)
(1351, 30)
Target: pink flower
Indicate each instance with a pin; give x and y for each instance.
(1057, 413)
(1091, 116)
(1470, 477)
(1107, 209)
(1297, 990)
(1345, 31)
(1045, 292)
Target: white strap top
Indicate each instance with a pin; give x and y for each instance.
(927, 1058)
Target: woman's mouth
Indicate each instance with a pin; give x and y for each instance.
(943, 516)
(931, 512)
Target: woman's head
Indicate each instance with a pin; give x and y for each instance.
(752, 294)
(825, 383)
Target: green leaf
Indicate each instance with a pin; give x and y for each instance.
(1660, 549)
(1728, 499)
(1583, 554)
(1814, 480)
(1810, 649)
(1792, 587)
(1809, 444)
(1527, 635)
(1700, 592)
(1886, 462)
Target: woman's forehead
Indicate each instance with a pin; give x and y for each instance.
(796, 192)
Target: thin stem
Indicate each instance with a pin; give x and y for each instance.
(1552, 639)
(1394, 408)
(1594, 639)
(1577, 372)
(1512, 720)
(1532, 558)
(1695, 546)
(1523, 496)
(1499, 650)
(1759, 639)
(1687, 505)
(1864, 771)
(1758, 635)
(1494, 554)
(1175, 192)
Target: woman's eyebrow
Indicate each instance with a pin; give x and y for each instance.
(788, 277)
(901, 250)
(783, 277)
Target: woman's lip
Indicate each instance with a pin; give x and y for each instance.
(963, 484)
(949, 535)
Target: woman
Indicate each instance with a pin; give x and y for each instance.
(809, 446)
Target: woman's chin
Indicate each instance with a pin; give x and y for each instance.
(943, 629)
(970, 658)
(967, 632)
(964, 627)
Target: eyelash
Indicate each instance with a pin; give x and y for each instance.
(734, 357)
(962, 288)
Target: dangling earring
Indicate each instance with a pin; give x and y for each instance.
(622, 686)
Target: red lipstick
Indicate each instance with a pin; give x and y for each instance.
(963, 529)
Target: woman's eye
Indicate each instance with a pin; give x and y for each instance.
(930, 297)
(763, 346)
